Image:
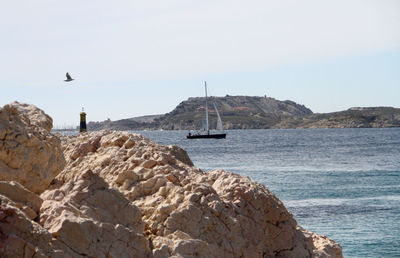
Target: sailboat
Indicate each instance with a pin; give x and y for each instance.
(205, 132)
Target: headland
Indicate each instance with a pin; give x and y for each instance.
(246, 112)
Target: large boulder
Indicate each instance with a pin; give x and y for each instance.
(29, 153)
(25, 200)
(115, 194)
(187, 212)
(20, 236)
(94, 220)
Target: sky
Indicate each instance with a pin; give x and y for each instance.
(132, 58)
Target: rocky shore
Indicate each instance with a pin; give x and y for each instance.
(115, 194)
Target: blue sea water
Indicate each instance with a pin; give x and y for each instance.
(342, 183)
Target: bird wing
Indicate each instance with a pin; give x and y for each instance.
(68, 76)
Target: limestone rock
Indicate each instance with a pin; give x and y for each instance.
(94, 220)
(180, 154)
(25, 200)
(122, 195)
(323, 246)
(22, 237)
(33, 116)
(29, 153)
(187, 212)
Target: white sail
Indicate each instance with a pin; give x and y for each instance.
(204, 124)
(207, 128)
(219, 122)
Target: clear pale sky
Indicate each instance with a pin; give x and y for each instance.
(132, 58)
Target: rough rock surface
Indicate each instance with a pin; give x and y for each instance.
(93, 219)
(29, 153)
(25, 200)
(187, 212)
(122, 195)
(22, 237)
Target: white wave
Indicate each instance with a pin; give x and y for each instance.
(338, 201)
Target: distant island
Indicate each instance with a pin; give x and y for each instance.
(248, 112)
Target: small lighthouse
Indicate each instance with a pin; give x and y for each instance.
(82, 127)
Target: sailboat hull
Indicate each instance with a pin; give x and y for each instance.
(205, 136)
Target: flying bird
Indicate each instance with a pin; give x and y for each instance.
(69, 78)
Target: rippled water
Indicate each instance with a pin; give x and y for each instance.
(343, 183)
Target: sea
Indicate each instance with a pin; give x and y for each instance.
(342, 183)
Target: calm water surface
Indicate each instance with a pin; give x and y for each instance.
(342, 183)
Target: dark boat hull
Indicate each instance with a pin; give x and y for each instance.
(207, 136)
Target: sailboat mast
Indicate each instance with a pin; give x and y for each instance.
(207, 126)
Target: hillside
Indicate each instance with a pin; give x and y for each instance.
(357, 117)
(134, 123)
(245, 112)
(237, 112)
